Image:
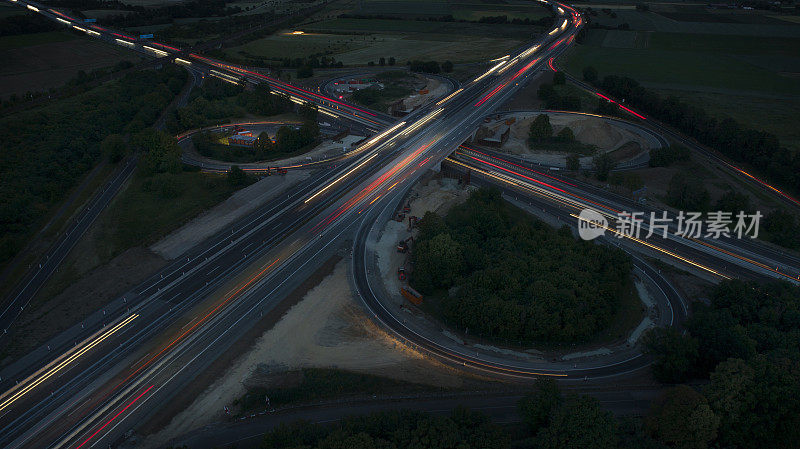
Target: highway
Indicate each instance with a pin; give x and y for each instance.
(743, 257)
(100, 382)
(102, 378)
(47, 265)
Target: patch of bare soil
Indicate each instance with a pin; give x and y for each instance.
(327, 328)
(41, 321)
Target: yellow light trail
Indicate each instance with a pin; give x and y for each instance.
(578, 206)
(48, 371)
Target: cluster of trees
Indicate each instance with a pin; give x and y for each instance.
(47, 150)
(666, 156)
(494, 271)
(393, 429)
(503, 19)
(540, 134)
(287, 140)
(555, 100)
(760, 149)
(217, 101)
(430, 66)
(746, 343)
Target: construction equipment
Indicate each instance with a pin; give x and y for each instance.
(411, 295)
(403, 246)
(412, 221)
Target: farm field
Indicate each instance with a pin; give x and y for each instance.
(44, 60)
(361, 49)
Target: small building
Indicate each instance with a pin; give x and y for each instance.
(493, 137)
(243, 138)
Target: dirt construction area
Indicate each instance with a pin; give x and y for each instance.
(587, 129)
(436, 195)
(326, 328)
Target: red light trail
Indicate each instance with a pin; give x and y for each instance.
(115, 416)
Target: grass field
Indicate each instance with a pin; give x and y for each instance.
(28, 40)
(44, 60)
(360, 49)
(688, 60)
(142, 213)
(697, 20)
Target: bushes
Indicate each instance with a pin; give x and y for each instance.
(499, 273)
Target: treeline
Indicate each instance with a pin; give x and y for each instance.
(142, 16)
(760, 149)
(496, 272)
(47, 150)
(430, 66)
(745, 342)
(216, 101)
(679, 418)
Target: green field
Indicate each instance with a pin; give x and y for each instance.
(683, 61)
(357, 49)
(27, 40)
(152, 207)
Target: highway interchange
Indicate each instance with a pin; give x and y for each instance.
(95, 382)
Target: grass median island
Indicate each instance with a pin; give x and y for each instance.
(489, 269)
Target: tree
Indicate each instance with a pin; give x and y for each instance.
(573, 162)
(603, 163)
(540, 129)
(447, 66)
(382, 61)
(590, 74)
(438, 262)
(676, 354)
(114, 147)
(579, 423)
(734, 202)
(687, 193)
(559, 78)
(236, 176)
(161, 151)
(391, 60)
(566, 135)
(682, 418)
(537, 406)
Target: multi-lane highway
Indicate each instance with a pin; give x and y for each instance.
(136, 356)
